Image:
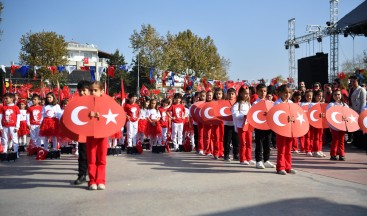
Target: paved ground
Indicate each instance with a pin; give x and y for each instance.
(186, 184)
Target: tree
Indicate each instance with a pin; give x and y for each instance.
(176, 53)
(44, 49)
(114, 83)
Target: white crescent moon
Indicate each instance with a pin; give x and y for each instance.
(199, 113)
(276, 117)
(206, 113)
(255, 117)
(74, 115)
(222, 113)
(333, 115)
(365, 122)
(312, 117)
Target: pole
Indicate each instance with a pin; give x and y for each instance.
(138, 74)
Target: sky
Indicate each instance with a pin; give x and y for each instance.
(251, 34)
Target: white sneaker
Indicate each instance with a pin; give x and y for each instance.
(201, 153)
(282, 172)
(260, 165)
(251, 162)
(245, 163)
(296, 151)
(92, 187)
(309, 154)
(210, 154)
(322, 153)
(101, 187)
(269, 164)
(292, 171)
(319, 155)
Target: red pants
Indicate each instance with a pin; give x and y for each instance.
(245, 138)
(316, 139)
(200, 137)
(96, 156)
(208, 139)
(217, 135)
(337, 144)
(284, 157)
(295, 144)
(305, 142)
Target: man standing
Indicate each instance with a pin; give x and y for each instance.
(357, 100)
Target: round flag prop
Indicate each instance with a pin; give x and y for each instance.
(317, 116)
(343, 118)
(256, 116)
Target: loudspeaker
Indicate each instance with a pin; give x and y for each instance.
(313, 69)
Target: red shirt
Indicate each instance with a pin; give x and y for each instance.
(10, 114)
(177, 112)
(132, 110)
(35, 114)
(164, 117)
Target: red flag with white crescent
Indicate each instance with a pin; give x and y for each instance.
(343, 118)
(317, 116)
(362, 121)
(256, 116)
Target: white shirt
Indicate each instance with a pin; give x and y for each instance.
(281, 101)
(239, 113)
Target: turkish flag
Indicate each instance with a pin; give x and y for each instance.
(288, 120)
(111, 116)
(343, 118)
(111, 71)
(256, 116)
(317, 116)
(209, 114)
(193, 109)
(86, 60)
(69, 134)
(144, 91)
(223, 110)
(362, 121)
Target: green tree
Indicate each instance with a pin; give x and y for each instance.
(114, 84)
(44, 49)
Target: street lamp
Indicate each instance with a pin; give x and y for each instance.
(137, 91)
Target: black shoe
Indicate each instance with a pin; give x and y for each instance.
(333, 158)
(80, 180)
(236, 157)
(227, 158)
(341, 158)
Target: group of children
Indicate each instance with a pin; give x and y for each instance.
(170, 119)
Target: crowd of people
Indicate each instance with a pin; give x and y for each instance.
(166, 120)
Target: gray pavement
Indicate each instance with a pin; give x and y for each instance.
(177, 184)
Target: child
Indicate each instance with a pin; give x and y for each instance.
(218, 130)
(163, 121)
(132, 110)
(10, 122)
(51, 114)
(239, 113)
(142, 124)
(23, 128)
(230, 134)
(97, 150)
(316, 133)
(194, 139)
(83, 90)
(34, 118)
(284, 144)
(153, 129)
(114, 138)
(337, 143)
(305, 141)
(296, 98)
(177, 112)
(262, 137)
(200, 128)
(63, 140)
(208, 132)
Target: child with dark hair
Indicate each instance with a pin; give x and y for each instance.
(230, 134)
(316, 133)
(132, 110)
(34, 118)
(23, 129)
(10, 122)
(51, 114)
(83, 88)
(153, 129)
(262, 137)
(177, 114)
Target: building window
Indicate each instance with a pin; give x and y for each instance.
(88, 55)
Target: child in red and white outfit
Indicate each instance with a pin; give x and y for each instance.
(305, 140)
(337, 143)
(144, 103)
(51, 114)
(153, 129)
(239, 113)
(177, 113)
(284, 144)
(200, 128)
(316, 133)
(34, 118)
(114, 138)
(23, 128)
(218, 130)
(132, 110)
(164, 122)
(97, 150)
(10, 122)
(208, 131)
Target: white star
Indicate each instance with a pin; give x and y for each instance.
(300, 118)
(352, 118)
(110, 117)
